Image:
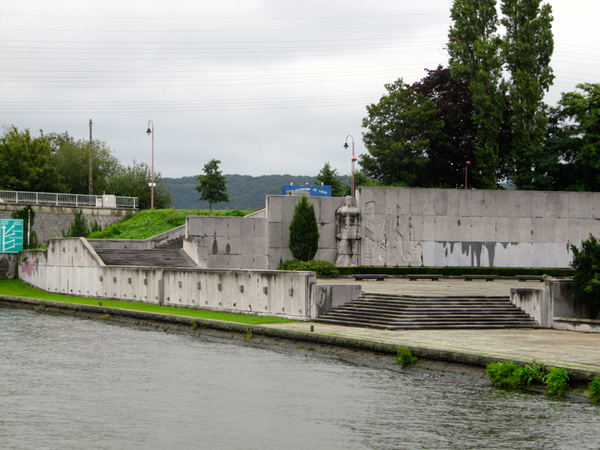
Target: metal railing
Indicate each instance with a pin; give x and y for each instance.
(44, 198)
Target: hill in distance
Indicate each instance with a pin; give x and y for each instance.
(245, 191)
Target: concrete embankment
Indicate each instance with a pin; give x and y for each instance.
(464, 352)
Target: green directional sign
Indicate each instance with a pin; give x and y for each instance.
(11, 235)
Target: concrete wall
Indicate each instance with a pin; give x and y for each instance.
(226, 242)
(72, 267)
(8, 264)
(454, 227)
(50, 221)
(553, 306)
(280, 211)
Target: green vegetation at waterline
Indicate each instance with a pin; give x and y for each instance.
(16, 288)
(513, 376)
(405, 357)
(151, 222)
(594, 387)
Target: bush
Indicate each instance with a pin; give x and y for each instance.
(405, 357)
(321, 268)
(507, 375)
(594, 387)
(557, 381)
(78, 228)
(304, 232)
(586, 280)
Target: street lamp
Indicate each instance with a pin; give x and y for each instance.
(466, 170)
(353, 161)
(150, 132)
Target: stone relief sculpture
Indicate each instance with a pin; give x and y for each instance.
(348, 234)
(389, 240)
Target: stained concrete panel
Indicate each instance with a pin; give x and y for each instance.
(429, 202)
(538, 254)
(489, 203)
(453, 202)
(440, 254)
(477, 203)
(526, 202)
(501, 229)
(538, 230)
(477, 229)
(440, 202)
(416, 226)
(489, 229)
(525, 251)
(428, 249)
(500, 254)
(464, 228)
(525, 229)
(274, 208)
(452, 228)
(501, 209)
(575, 231)
(428, 228)
(276, 234)
(464, 202)
(513, 203)
(379, 197)
(416, 201)
(550, 230)
(562, 230)
(538, 204)
(586, 208)
(513, 254)
(327, 232)
(551, 208)
(441, 228)
(513, 232)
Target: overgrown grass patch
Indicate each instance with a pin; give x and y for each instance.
(17, 288)
(151, 222)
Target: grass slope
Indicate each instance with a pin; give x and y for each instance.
(16, 288)
(151, 222)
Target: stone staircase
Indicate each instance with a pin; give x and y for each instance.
(156, 257)
(394, 312)
(173, 243)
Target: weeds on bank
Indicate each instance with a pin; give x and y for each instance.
(512, 376)
(405, 357)
(594, 387)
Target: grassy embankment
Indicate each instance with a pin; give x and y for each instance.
(151, 222)
(143, 225)
(16, 288)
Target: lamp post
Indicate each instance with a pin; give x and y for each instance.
(353, 161)
(466, 170)
(150, 132)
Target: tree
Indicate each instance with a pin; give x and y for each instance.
(213, 185)
(30, 239)
(71, 159)
(575, 133)
(527, 48)
(134, 181)
(586, 281)
(330, 177)
(400, 129)
(304, 232)
(25, 163)
(79, 226)
(474, 48)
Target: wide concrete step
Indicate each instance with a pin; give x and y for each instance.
(401, 312)
(147, 258)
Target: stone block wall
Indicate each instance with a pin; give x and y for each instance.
(50, 221)
(454, 227)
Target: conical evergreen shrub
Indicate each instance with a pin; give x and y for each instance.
(304, 232)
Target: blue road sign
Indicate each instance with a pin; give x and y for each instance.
(11, 235)
(315, 191)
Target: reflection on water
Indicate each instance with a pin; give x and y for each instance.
(67, 383)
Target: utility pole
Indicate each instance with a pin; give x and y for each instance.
(91, 164)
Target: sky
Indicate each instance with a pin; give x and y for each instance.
(264, 86)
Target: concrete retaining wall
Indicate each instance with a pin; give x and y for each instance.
(50, 221)
(8, 264)
(553, 306)
(226, 242)
(72, 267)
(453, 227)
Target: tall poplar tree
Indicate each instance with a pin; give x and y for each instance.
(474, 47)
(527, 49)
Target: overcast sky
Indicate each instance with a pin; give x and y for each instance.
(265, 86)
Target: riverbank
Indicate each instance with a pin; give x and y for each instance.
(441, 352)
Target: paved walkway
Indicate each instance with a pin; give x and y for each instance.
(552, 347)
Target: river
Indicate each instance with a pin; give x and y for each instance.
(68, 383)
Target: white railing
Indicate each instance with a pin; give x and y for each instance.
(44, 198)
